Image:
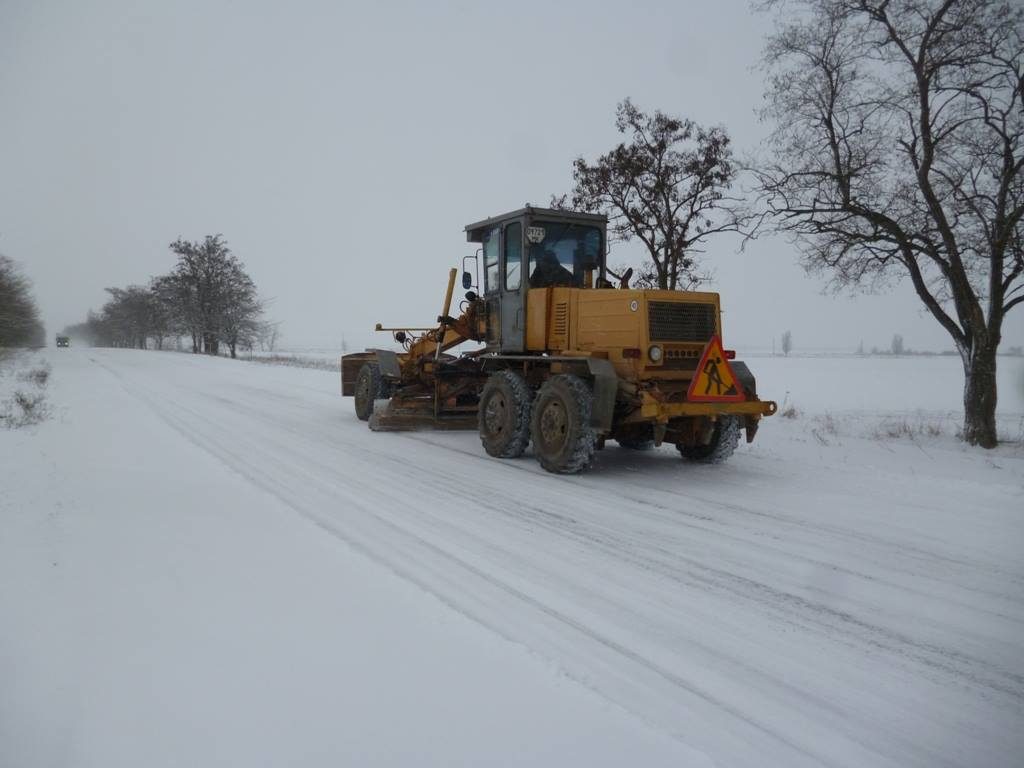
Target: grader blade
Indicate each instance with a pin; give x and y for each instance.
(415, 415)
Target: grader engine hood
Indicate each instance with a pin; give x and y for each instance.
(646, 333)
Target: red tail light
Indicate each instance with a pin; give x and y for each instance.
(730, 354)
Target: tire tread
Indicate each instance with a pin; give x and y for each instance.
(516, 387)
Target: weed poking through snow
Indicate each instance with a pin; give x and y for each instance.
(787, 410)
(27, 406)
(825, 425)
(38, 376)
(24, 409)
(902, 428)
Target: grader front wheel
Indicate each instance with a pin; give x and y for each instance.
(563, 440)
(504, 418)
(370, 386)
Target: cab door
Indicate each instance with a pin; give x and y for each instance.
(492, 287)
(504, 288)
(513, 289)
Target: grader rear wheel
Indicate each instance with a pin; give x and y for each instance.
(563, 440)
(504, 420)
(724, 439)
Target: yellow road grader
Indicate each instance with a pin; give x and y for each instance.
(564, 359)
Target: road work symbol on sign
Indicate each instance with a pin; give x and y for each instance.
(714, 380)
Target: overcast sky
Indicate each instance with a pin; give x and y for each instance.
(341, 149)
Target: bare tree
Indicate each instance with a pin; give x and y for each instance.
(208, 295)
(898, 150)
(196, 286)
(215, 299)
(787, 343)
(130, 317)
(96, 329)
(19, 315)
(665, 187)
(897, 344)
(269, 334)
(238, 308)
(169, 316)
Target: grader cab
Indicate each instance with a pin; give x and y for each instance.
(564, 358)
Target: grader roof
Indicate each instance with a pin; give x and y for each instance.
(475, 231)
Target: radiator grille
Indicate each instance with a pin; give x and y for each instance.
(561, 319)
(679, 321)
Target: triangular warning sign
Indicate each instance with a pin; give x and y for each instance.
(714, 380)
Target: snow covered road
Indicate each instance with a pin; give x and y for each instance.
(823, 599)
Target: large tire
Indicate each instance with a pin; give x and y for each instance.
(504, 419)
(370, 386)
(724, 439)
(563, 440)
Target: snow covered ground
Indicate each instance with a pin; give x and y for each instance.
(212, 562)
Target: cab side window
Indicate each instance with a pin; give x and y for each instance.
(491, 261)
(513, 256)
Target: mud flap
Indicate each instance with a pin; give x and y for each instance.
(745, 377)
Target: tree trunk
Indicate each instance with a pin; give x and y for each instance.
(980, 396)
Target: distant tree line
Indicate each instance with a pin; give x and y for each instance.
(897, 348)
(20, 324)
(207, 297)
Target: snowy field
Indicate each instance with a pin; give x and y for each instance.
(208, 562)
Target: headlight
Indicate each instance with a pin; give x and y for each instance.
(655, 353)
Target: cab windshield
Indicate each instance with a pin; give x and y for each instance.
(561, 253)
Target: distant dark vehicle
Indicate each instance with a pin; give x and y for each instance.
(63, 341)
